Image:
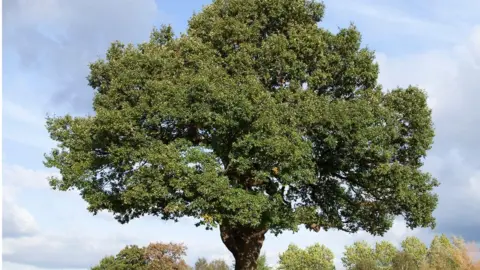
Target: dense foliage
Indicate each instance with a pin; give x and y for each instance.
(256, 120)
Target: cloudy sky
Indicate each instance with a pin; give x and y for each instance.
(47, 45)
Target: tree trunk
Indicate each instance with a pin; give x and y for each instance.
(245, 245)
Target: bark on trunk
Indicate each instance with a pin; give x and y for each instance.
(245, 245)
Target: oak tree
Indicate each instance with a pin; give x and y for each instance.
(255, 120)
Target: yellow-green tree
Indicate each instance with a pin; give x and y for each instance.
(315, 257)
(203, 264)
(443, 254)
(412, 256)
(262, 263)
(362, 256)
(454, 253)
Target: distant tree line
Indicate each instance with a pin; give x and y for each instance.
(443, 254)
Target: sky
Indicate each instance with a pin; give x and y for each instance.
(47, 45)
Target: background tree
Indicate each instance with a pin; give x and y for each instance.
(412, 256)
(461, 254)
(219, 265)
(109, 263)
(444, 253)
(262, 263)
(454, 253)
(131, 257)
(405, 261)
(441, 253)
(385, 252)
(203, 264)
(255, 120)
(361, 256)
(315, 257)
(156, 256)
(166, 256)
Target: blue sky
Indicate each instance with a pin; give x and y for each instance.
(46, 49)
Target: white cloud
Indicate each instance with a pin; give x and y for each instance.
(59, 251)
(474, 187)
(25, 125)
(405, 20)
(21, 114)
(19, 266)
(389, 15)
(17, 221)
(59, 39)
(32, 11)
(19, 177)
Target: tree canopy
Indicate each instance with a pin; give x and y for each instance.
(256, 119)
